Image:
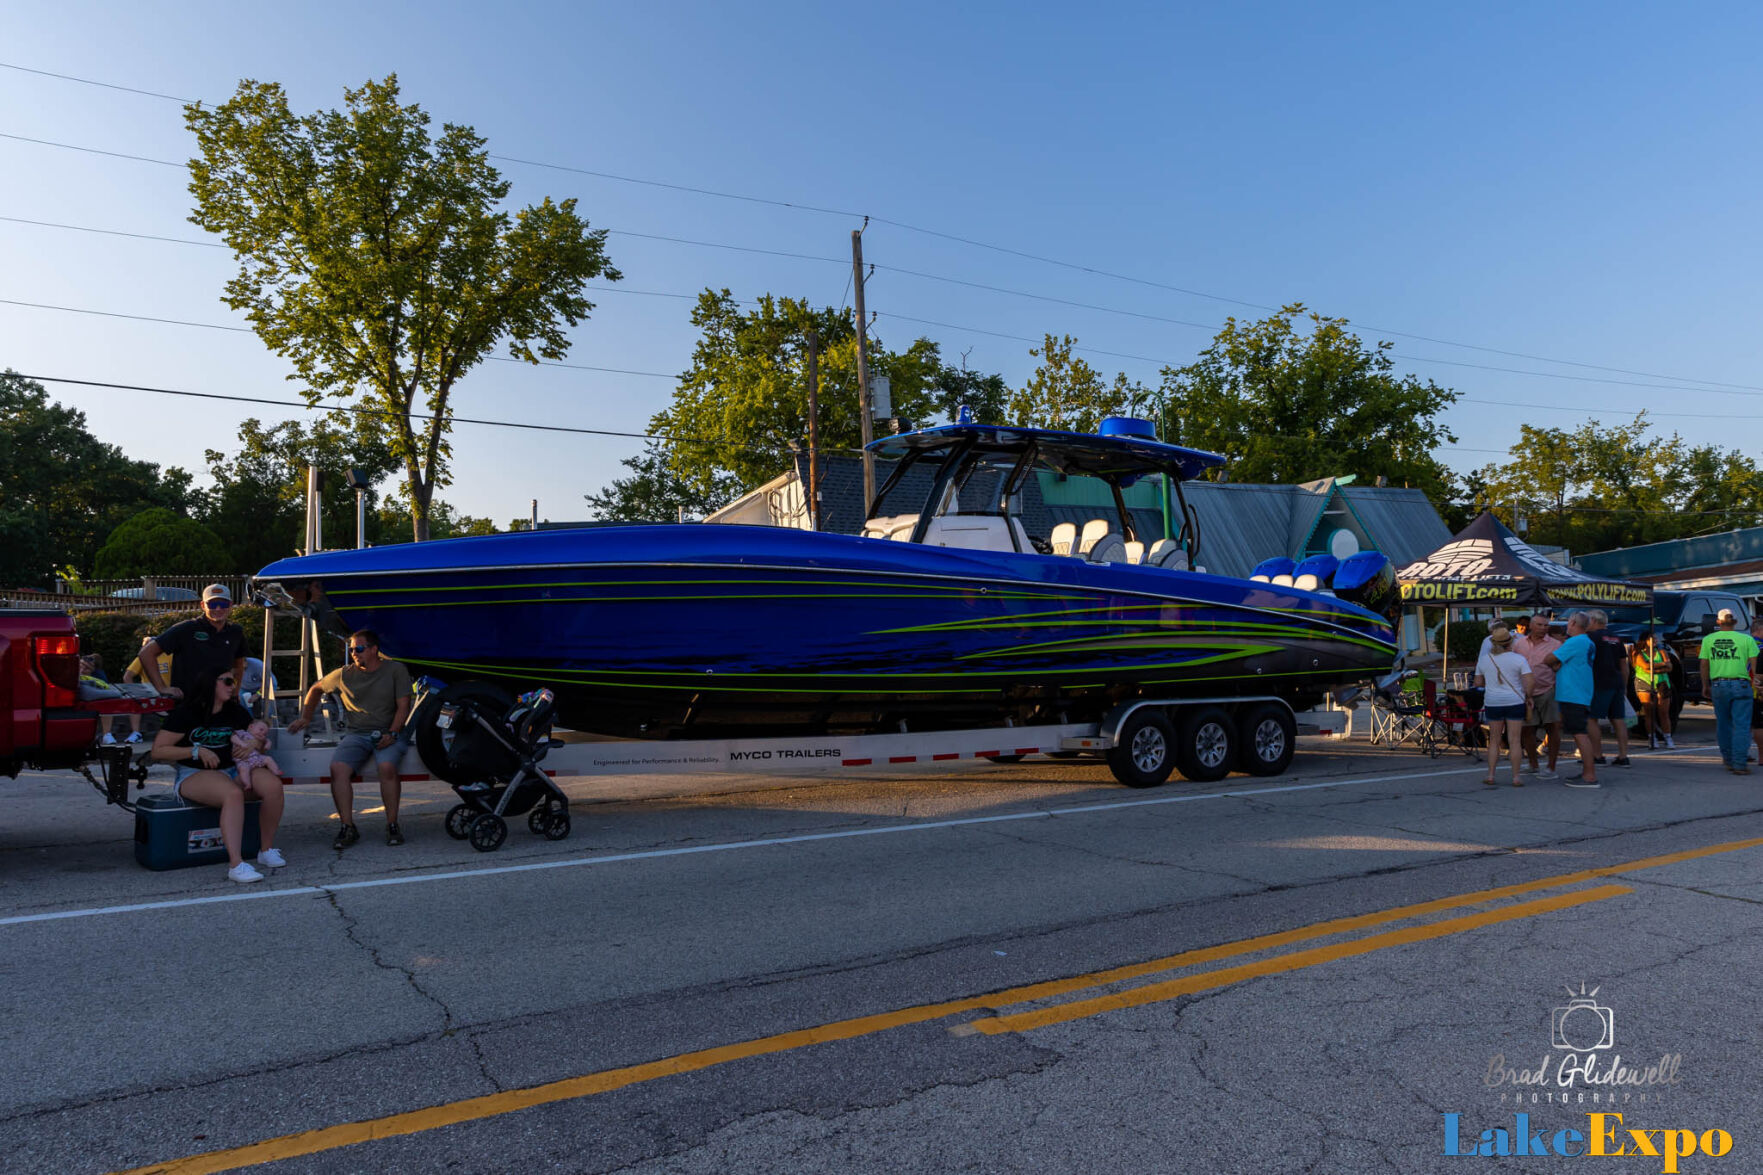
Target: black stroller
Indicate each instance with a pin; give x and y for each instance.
(491, 756)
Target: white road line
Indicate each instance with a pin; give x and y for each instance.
(721, 847)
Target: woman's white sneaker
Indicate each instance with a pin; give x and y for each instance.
(272, 858)
(242, 872)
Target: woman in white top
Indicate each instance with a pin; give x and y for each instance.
(1504, 676)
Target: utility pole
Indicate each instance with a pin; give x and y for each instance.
(864, 412)
(814, 430)
(535, 525)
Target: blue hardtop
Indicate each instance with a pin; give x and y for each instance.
(1121, 455)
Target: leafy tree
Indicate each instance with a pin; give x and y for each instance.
(744, 401)
(444, 523)
(258, 504)
(378, 261)
(1600, 486)
(653, 493)
(62, 490)
(1066, 392)
(160, 542)
(1288, 407)
(986, 396)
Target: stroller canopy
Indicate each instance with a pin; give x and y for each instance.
(1487, 565)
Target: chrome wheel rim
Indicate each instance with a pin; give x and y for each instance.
(1211, 744)
(1149, 749)
(1270, 740)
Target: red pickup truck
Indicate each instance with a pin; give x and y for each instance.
(43, 721)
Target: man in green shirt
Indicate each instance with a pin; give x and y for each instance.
(1729, 670)
(376, 703)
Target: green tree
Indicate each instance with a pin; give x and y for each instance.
(743, 403)
(160, 542)
(444, 523)
(62, 490)
(378, 261)
(258, 503)
(986, 396)
(1066, 392)
(653, 493)
(1286, 406)
(1599, 486)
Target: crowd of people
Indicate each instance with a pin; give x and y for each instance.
(1540, 690)
(220, 751)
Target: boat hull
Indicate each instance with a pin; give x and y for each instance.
(659, 630)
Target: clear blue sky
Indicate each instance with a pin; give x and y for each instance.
(1571, 182)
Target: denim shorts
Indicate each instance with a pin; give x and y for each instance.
(1608, 703)
(185, 770)
(1506, 713)
(355, 749)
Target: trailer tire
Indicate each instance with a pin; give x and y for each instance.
(1267, 735)
(431, 741)
(1144, 750)
(1206, 750)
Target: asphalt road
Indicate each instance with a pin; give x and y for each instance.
(1004, 969)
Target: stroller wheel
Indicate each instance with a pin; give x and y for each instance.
(488, 832)
(557, 825)
(460, 820)
(536, 819)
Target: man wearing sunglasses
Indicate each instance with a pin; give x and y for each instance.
(210, 642)
(375, 693)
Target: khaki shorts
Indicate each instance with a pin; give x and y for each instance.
(1547, 711)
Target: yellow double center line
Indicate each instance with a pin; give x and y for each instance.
(452, 1113)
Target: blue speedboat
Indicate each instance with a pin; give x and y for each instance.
(946, 612)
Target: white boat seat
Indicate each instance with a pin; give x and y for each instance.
(895, 526)
(1283, 580)
(1306, 582)
(1135, 552)
(1259, 579)
(1158, 550)
(1110, 548)
(1175, 558)
(971, 532)
(1064, 538)
(1095, 530)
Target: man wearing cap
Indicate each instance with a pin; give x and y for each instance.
(1729, 669)
(210, 642)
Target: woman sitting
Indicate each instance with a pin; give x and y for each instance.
(198, 737)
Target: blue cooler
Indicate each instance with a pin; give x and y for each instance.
(170, 834)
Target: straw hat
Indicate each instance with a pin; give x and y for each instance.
(1499, 634)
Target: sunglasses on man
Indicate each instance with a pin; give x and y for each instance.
(359, 648)
(219, 605)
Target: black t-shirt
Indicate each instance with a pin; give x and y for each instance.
(1609, 655)
(196, 648)
(214, 731)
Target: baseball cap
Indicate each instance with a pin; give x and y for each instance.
(1726, 616)
(216, 591)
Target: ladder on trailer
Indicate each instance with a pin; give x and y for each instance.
(310, 652)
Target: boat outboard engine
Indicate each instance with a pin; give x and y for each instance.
(1316, 573)
(1368, 579)
(1268, 570)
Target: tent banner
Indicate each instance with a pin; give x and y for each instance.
(1601, 593)
(1466, 591)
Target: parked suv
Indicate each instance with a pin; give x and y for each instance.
(1681, 620)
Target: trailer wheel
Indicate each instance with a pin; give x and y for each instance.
(1143, 754)
(1206, 750)
(432, 741)
(1266, 738)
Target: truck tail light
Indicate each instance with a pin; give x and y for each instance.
(58, 660)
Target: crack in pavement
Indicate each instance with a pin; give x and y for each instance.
(450, 1025)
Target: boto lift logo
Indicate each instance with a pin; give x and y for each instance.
(1583, 1068)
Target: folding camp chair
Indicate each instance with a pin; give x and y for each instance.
(1402, 714)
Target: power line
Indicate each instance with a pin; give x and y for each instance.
(908, 227)
(381, 412)
(247, 330)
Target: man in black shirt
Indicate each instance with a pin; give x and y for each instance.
(1609, 687)
(210, 642)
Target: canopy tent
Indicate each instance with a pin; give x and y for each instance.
(1487, 566)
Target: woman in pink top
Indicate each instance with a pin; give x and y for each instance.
(1544, 714)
